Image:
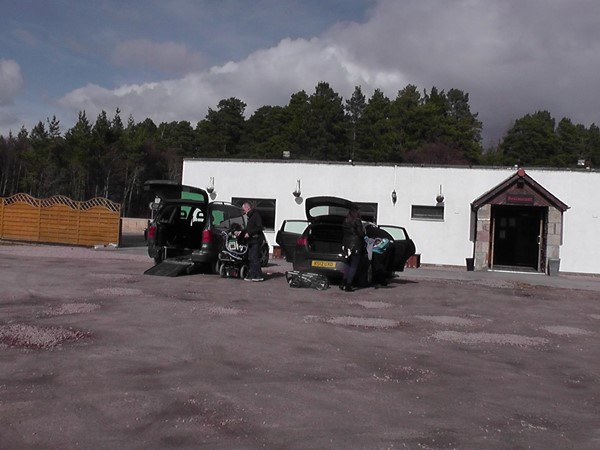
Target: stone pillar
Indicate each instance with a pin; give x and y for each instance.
(554, 238)
(482, 237)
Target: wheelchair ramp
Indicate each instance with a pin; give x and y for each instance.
(171, 268)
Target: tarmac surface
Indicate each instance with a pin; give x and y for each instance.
(96, 355)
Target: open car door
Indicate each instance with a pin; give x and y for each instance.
(287, 236)
(403, 246)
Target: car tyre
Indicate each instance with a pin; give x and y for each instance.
(216, 266)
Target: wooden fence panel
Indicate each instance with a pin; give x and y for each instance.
(98, 223)
(59, 224)
(60, 220)
(21, 221)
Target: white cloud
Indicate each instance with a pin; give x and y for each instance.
(512, 57)
(11, 81)
(168, 57)
(266, 77)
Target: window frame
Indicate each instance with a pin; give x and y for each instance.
(436, 213)
(267, 212)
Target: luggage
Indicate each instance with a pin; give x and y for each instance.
(297, 279)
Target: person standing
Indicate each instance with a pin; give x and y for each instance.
(253, 234)
(353, 245)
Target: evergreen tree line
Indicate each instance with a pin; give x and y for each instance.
(110, 159)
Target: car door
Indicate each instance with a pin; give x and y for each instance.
(403, 246)
(288, 234)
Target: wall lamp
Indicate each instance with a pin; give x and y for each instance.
(440, 197)
(394, 195)
(297, 191)
(211, 185)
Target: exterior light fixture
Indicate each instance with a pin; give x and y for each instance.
(440, 197)
(394, 195)
(211, 185)
(297, 191)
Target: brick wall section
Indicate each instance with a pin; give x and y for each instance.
(133, 226)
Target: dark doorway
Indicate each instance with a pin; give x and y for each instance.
(518, 236)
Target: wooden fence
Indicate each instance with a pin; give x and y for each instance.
(60, 220)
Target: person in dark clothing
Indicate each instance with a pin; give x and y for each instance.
(253, 233)
(381, 254)
(353, 246)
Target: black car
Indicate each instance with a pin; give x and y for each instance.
(186, 223)
(315, 245)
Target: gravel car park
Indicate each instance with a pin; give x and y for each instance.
(94, 354)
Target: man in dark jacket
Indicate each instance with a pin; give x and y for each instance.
(353, 244)
(254, 238)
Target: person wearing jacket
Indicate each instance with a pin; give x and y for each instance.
(253, 234)
(353, 246)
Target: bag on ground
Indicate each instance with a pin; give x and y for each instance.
(297, 279)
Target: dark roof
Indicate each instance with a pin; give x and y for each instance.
(520, 185)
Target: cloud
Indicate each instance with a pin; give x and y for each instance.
(511, 57)
(266, 77)
(11, 81)
(167, 57)
(26, 37)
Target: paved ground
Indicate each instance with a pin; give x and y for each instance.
(94, 354)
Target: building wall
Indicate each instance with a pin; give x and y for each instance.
(446, 242)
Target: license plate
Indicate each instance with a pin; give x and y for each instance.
(327, 264)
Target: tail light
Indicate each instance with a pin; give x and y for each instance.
(207, 237)
(151, 231)
(301, 241)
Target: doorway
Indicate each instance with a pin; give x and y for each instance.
(519, 237)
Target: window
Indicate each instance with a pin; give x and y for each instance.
(224, 215)
(265, 207)
(423, 212)
(295, 226)
(368, 211)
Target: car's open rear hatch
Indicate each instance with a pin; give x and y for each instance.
(327, 209)
(168, 190)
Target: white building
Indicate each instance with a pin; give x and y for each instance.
(503, 218)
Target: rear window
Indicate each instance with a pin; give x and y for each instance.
(326, 210)
(295, 226)
(224, 216)
(193, 196)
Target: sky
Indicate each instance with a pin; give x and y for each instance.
(173, 60)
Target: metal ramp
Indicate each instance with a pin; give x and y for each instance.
(172, 267)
